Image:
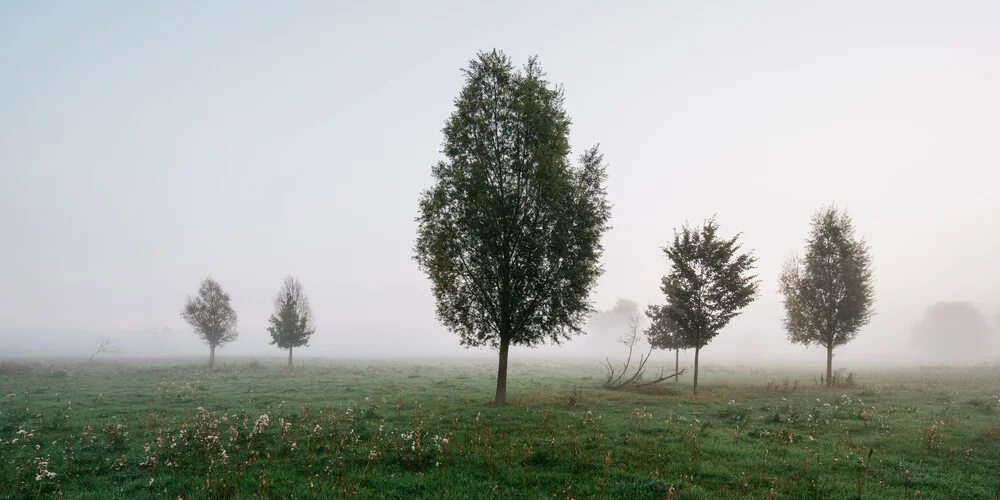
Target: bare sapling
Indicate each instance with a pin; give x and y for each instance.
(105, 347)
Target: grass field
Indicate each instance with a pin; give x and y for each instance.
(428, 430)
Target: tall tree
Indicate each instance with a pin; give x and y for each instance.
(212, 316)
(662, 334)
(510, 232)
(291, 325)
(709, 283)
(828, 294)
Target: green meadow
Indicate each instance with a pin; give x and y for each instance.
(428, 430)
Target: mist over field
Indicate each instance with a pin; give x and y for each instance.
(142, 150)
(560, 249)
(733, 347)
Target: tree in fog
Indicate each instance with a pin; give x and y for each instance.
(953, 331)
(604, 328)
(212, 316)
(105, 347)
(510, 231)
(829, 293)
(709, 283)
(662, 334)
(291, 325)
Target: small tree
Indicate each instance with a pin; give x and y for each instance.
(212, 316)
(292, 321)
(829, 293)
(661, 334)
(709, 284)
(510, 232)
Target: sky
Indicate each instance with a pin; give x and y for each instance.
(146, 146)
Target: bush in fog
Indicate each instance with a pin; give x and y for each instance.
(953, 331)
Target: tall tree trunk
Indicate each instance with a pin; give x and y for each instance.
(289, 358)
(502, 372)
(696, 351)
(211, 358)
(677, 363)
(829, 366)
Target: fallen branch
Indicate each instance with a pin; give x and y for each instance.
(621, 379)
(661, 378)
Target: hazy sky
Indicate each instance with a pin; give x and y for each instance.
(144, 146)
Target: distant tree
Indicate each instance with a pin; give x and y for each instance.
(953, 331)
(662, 334)
(829, 293)
(291, 325)
(105, 347)
(604, 327)
(212, 316)
(510, 232)
(709, 283)
(612, 319)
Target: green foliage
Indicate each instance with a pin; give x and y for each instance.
(291, 325)
(211, 315)
(709, 283)
(510, 232)
(662, 330)
(367, 430)
(828, 294)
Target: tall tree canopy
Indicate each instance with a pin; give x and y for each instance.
(291, 325)
(829, 294)
(709, 283)
(510, 232)
(212, 316)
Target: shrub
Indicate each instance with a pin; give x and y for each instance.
(841, 379)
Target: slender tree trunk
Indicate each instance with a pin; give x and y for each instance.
(289, 359)
(829, 366)
(696, 351)
(677, 363)
(502, 372)
(211, 358)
